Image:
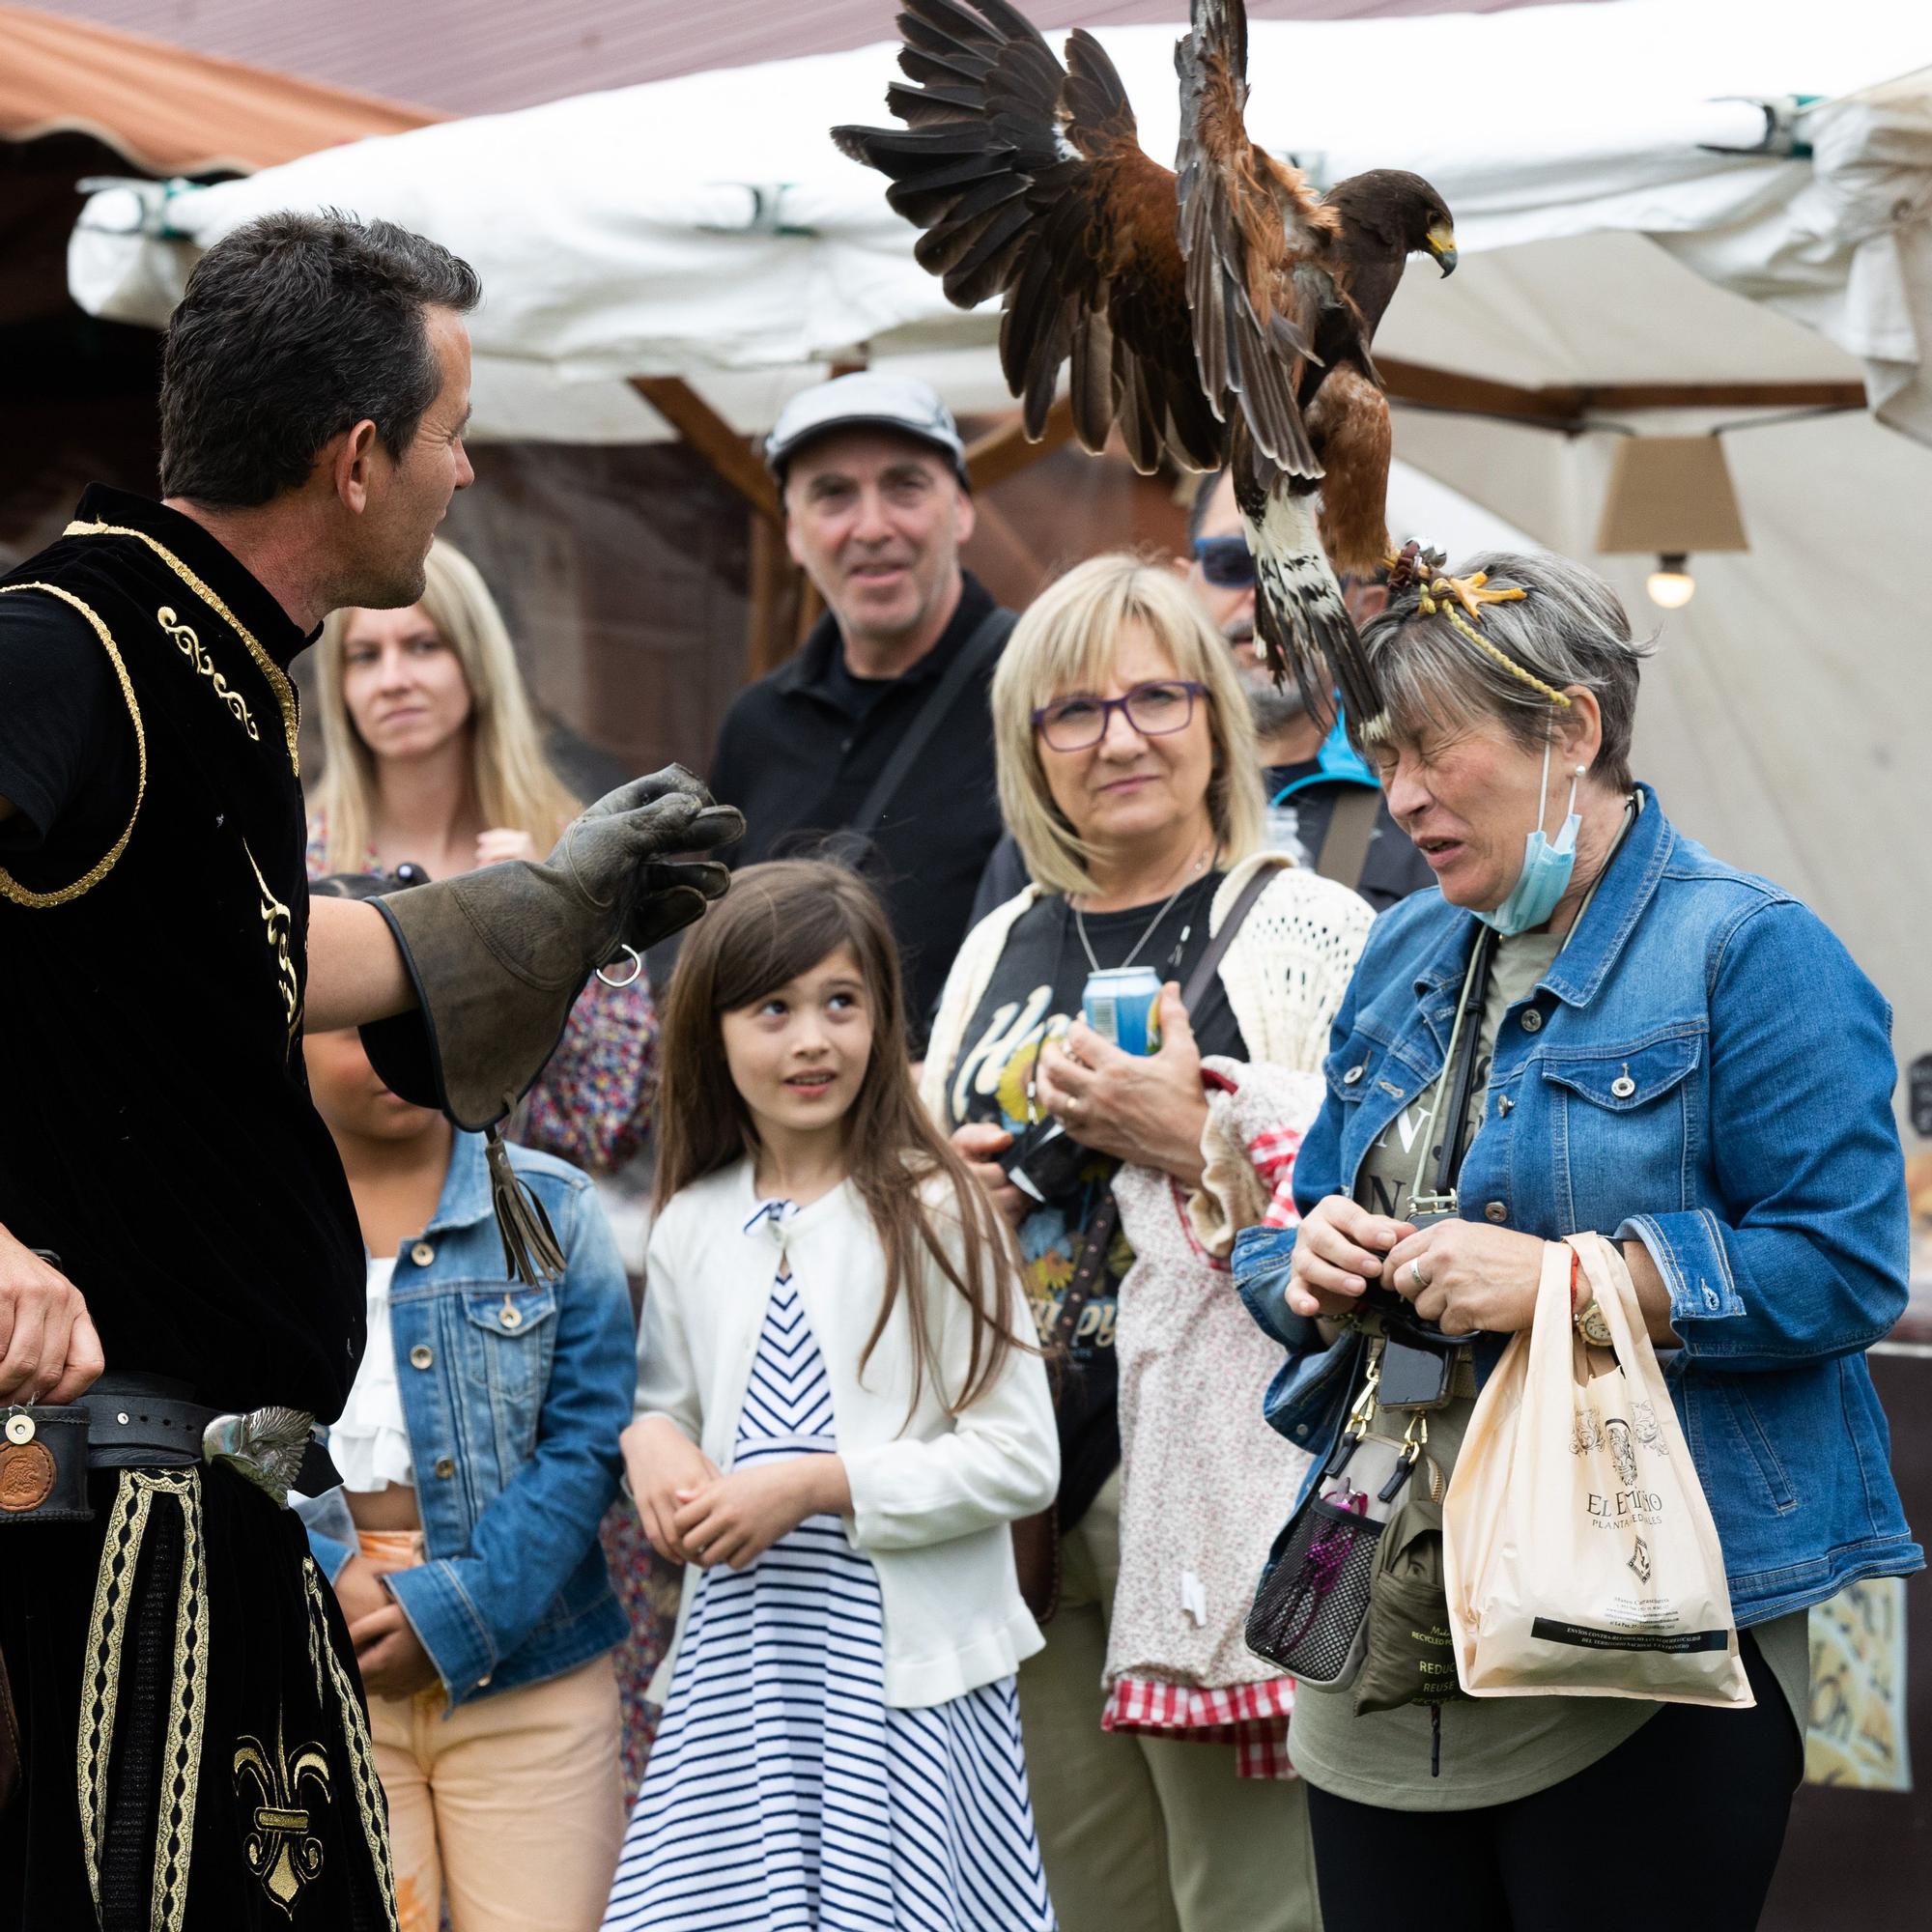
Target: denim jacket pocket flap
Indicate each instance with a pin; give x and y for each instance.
(510, 1312)
(1622, 1081)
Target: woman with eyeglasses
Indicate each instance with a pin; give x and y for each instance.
(1127, 773)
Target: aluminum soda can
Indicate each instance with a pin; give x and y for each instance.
(1122, 1005)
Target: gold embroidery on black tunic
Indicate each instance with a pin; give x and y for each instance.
(134, 1500)
(281, 1848)
(278, 683)
(196, 653)
(275, 927)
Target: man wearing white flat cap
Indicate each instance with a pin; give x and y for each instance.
(876, 732)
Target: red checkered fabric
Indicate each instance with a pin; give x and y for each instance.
(1273, 1156)
(1253, 1717)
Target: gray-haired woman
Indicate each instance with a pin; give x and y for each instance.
(1663, 1049)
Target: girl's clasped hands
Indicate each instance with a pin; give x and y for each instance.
(693, 1511)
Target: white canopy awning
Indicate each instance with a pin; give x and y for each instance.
(707, 227)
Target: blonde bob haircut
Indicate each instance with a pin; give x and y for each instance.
(514, 785)
(1067, 642)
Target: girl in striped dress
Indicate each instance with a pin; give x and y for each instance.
(840, 1413)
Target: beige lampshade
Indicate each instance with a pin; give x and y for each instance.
(1670, 495)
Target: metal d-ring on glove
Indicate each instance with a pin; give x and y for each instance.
(498, 956)
(630, 978)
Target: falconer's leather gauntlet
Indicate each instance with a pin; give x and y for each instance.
(498, 956)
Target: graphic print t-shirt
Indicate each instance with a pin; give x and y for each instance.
(1034, 996)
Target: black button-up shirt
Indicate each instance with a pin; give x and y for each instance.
(801, 748)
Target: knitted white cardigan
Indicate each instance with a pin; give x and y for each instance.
(1206, 1482)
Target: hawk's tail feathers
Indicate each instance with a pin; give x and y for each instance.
(1303, 624)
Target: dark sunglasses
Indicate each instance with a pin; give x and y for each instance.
(1226, 562)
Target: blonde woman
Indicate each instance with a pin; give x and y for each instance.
(433, 758)
(1127, 774)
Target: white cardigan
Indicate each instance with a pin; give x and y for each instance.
(932, 1496)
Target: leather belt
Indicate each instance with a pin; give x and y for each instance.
(142, 1421)
(139, 1421)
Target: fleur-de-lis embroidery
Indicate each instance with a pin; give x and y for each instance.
(282, 1849)
(195, 652)
(276, 922)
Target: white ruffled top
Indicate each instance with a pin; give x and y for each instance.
(370, 1441)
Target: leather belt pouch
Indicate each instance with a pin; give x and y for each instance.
(44, 1464)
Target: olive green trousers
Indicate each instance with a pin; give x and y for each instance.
(1143, 1833)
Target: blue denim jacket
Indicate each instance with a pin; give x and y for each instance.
(514, 1397)
(1704, 1069)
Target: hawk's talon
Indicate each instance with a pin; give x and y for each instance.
(1471, 592)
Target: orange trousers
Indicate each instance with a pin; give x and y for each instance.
(512, 1806)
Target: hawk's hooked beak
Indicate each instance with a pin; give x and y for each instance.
(1441, 243)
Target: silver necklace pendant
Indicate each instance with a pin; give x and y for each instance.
(1167, 906)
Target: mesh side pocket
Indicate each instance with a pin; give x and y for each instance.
(1313, 1602)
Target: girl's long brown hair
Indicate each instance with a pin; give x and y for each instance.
(778, 921)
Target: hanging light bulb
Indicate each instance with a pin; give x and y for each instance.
(1670, 584)
(1668, 497)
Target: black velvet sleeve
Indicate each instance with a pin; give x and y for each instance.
(61, 718)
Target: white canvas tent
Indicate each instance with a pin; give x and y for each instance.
(1619, 273)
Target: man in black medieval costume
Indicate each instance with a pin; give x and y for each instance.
(182, 1739)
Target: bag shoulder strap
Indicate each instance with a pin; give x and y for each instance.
(988, 640)
(1352, 830)
(1199, 981)
(1100, 1236)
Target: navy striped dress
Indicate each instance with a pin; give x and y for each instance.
(782, 1793)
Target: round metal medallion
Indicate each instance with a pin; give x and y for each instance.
(26, 1476)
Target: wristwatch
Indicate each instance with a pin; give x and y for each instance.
(1592, 1323)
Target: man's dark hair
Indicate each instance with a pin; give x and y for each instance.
(1196, 511)
(294, 328)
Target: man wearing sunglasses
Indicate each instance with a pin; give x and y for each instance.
(1318, 786)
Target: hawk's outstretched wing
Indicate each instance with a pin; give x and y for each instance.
(1251, 231)
(1029, 179)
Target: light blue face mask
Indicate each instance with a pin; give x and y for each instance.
(1547, 867)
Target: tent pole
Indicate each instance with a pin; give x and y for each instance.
(764, 617)
(721, 445)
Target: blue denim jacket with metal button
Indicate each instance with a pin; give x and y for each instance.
(1704, 1069)
(514, 1397)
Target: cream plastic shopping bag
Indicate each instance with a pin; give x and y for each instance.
(1579, 1551)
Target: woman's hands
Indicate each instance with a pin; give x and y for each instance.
(736, 1519)
(1467, 1275)
(1339, 1249)
(664, 1466)
(980, 1144)
(1145, 1108)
